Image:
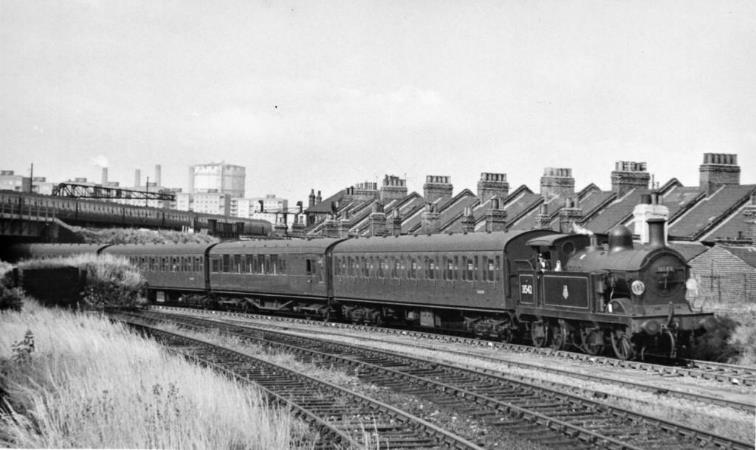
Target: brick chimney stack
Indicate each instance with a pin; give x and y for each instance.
(718, 169)
(430, 219)
(377, 220)
(557, 182)
(396, 223)
(492, 185)
(750, 213)
(104, 180)
(569, 214)
(543, 219)
(437, 186)
(629, 175)
(393, 188)
(496, 218)
(468, 221)
(138, 178)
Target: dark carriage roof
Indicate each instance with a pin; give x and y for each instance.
(157, 249)
(495, 241)
(318, 245)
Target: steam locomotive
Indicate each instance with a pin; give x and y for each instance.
(567, 291)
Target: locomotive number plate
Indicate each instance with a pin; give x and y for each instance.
(526, 288)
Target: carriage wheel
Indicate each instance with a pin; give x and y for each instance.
(539, 333)
(504, 330)
(594, 342)
(559, 337)
(623, 348)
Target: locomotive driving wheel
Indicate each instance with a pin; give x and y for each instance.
(539, 333)
(593, 343)
(623, 348)
(559, 336)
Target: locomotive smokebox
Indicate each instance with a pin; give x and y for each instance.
(656, 232)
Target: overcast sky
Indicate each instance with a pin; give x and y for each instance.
(325, 94)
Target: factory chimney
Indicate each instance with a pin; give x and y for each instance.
(137, 177)
(157, 175)
(104, 180)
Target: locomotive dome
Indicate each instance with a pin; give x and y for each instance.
(620, 238)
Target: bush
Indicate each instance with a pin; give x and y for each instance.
(11, 297)
(111, 280)
(141, 236)
(714, 344)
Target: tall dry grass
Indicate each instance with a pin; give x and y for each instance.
(89, 383)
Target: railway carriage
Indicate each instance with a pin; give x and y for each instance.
(273, 275)
(441, 280)
(171, 271)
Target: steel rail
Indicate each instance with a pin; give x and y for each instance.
(473, 384)
(729, 373)
(296, 390)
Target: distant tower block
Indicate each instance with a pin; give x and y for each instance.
(492, 185)
(557, 182)
(436, 187)
(629, 175)
(393, 188)
(718, 169)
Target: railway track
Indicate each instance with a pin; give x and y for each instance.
(528, 410)
(706, 370)
(338, 415)
(653, 388)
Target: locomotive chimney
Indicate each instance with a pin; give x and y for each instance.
(656, 232)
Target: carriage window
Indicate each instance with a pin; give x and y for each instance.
(395, 267)
(430, 268)
(320, 269)
(365, 267)
(249, 264)
(379, 267)
(476, 277)
(274, 264)
(165, 264)
(412, 274)
(237, 263)
(497, 268)
(260, 268)
(492, 269)
(308, 267)
(226, 263)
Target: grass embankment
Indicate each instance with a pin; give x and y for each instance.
(141, 236)
(85, 382)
